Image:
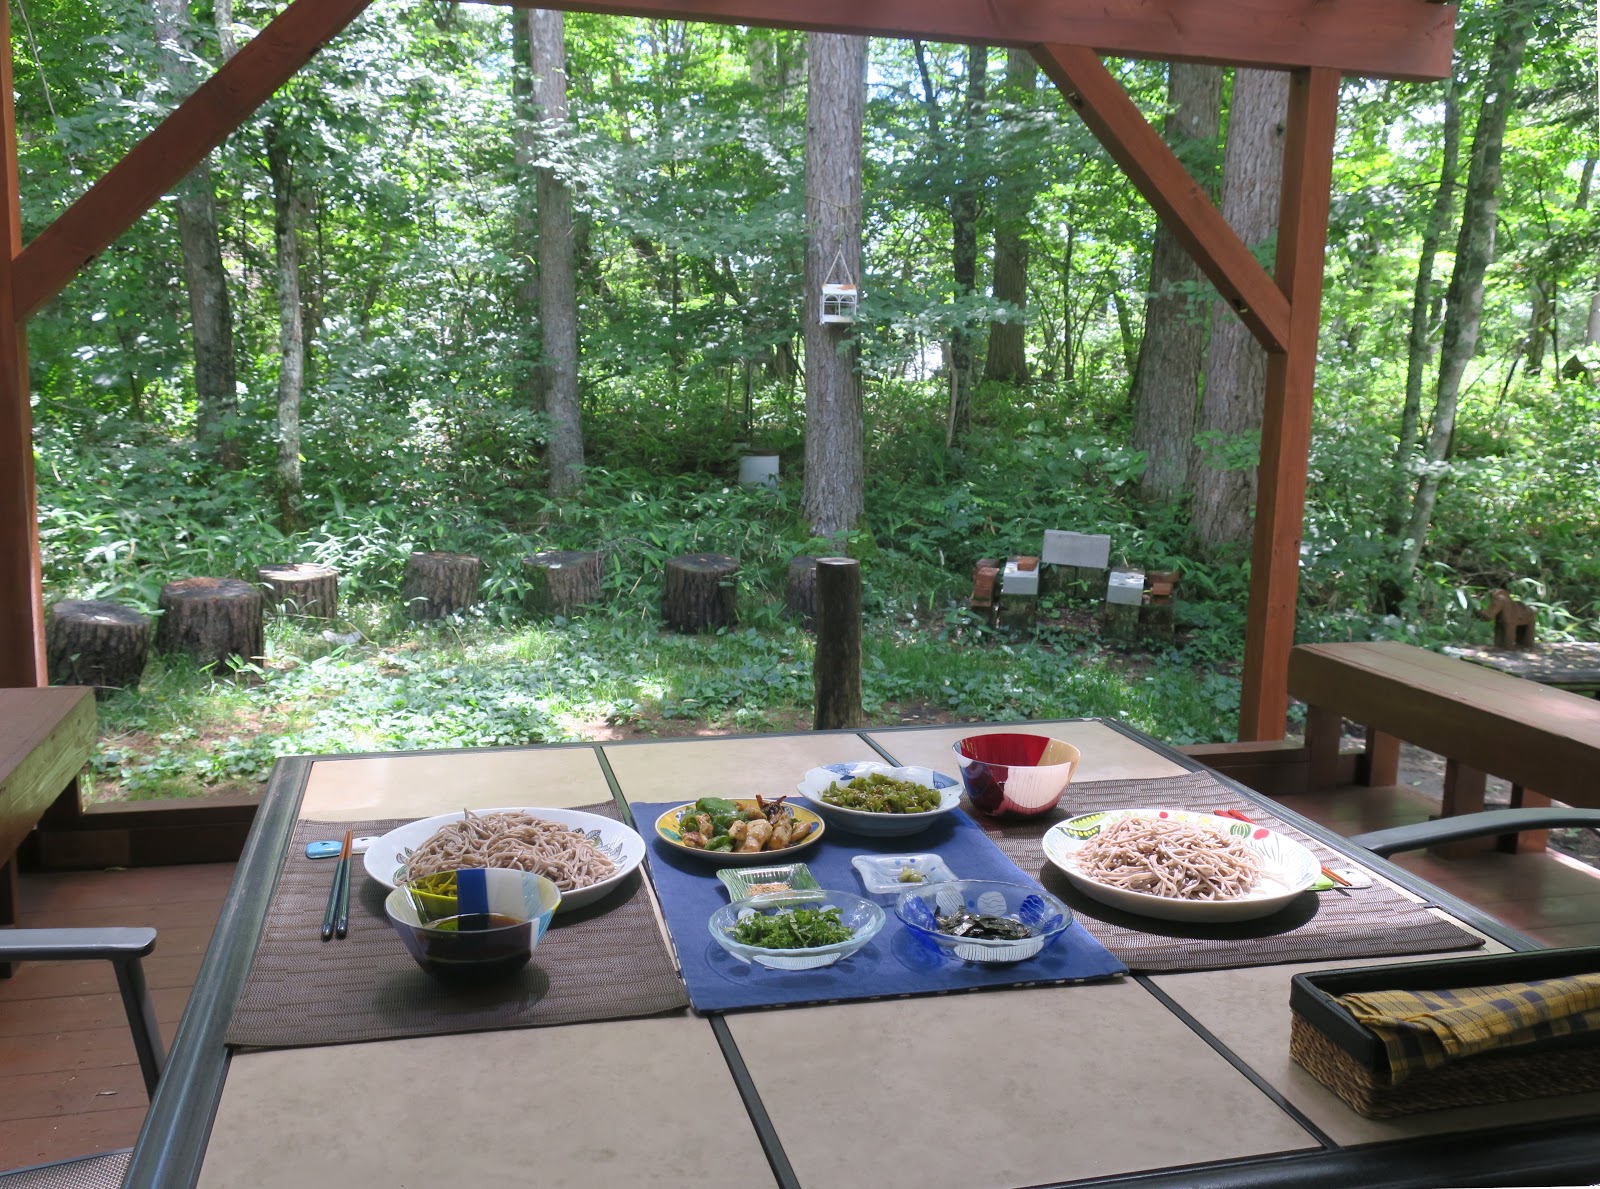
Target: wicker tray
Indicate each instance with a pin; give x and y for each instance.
(1350, 1060)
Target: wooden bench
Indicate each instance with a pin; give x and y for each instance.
(46, 737)
(1484, 723)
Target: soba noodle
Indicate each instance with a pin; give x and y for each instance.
(1178, 860)
(516, 840)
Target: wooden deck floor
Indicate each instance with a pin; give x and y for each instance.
(69, 1081)
(69, 1078)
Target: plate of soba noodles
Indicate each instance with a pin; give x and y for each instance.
(1179, 865)
(586, 855)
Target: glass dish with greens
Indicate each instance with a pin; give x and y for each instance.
(801, 931)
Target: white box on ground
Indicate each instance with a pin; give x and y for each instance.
(1019, 582)
(1126, 587)
(1089, 550)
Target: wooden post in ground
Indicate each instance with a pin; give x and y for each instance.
(836, 672)
(800, 595)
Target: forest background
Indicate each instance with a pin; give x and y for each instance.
(492, 282)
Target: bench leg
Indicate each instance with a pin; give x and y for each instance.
(1324, 729)
(8, 902)
(1380, 766)
(1463, 793)
(1529, 841)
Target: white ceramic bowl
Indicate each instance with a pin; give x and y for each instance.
(878, 825)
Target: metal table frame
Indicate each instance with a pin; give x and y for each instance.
(172, 1143)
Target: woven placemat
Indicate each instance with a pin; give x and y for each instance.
(1363, 923)
(606, 961)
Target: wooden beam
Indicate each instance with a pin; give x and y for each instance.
(21, 605)
(1286, 424)
(158, 162)
(1406, 39)
(1185, 208)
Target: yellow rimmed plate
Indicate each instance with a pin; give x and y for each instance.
(667, 832)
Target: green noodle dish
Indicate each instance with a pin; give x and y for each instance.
(877, 793)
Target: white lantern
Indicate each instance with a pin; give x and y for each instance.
(838, 303)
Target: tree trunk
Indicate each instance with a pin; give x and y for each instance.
(306, 590)
(1541, 322)
(1474, 252)
(1229, 425)
(964, 234)
(216, 621)
(699, 592)
(558, 302)
(286, 204)
(1418, 347)
(210, 308)
(1166, 382)
(526, 375)
(1591, 332)
(440, 584)
(836, 88)
(1008, 359)
(800, 593)
(95, 643)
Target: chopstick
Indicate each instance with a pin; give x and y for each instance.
(1239, 817)
(336, 917)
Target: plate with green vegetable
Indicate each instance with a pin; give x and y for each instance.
(880, 800)
(739, 832)
(801, 931)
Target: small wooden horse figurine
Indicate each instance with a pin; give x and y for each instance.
(1513, 621)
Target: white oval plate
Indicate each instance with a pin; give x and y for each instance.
(878, 825)
(1288, 868)
(385, 858)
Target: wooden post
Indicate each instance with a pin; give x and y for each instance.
(22, 661)
(1286, 424)
(836, 673)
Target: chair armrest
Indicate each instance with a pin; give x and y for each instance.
(116, 945)
(1472, 825)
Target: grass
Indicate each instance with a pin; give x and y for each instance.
(373, 683)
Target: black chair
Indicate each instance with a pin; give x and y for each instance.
(123, 948)
(1472, 825)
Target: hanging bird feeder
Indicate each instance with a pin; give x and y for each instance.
(839, 293)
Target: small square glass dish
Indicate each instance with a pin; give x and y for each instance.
(745, 882)
(889, 875)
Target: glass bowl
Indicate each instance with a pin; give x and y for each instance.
(1045, 917)
(862, 917)
(474, 925)
(1011, 772)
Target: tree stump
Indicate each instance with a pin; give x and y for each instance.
(214, 620)
(800, 597)
(91, 642)
(307, 590)
(562, 579)
(440, 584)
(700, 592)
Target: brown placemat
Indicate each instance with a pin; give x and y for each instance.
(1363, 923)
(605, 961)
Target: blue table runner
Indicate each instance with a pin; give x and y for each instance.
(894, 963)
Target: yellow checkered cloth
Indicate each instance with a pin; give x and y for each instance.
(1424, 1029)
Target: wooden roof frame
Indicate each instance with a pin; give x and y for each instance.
(1317, 41)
